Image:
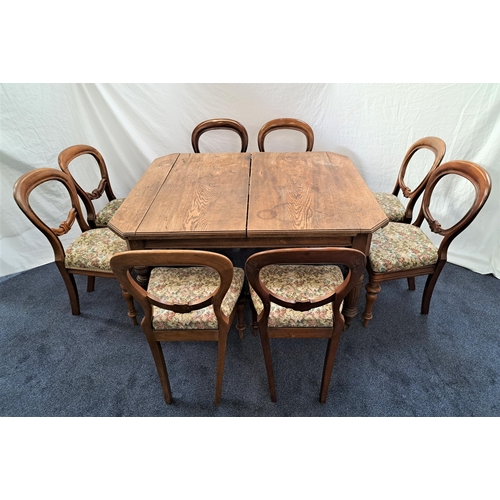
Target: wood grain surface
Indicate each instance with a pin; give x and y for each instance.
(309, 194)
(205, 195)
(133, 210)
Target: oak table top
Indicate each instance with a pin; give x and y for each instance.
(248, 200)
(251, 200)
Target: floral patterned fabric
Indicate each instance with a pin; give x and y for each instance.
(299, 282)
(93, 249)
(190, 284)
(391, 205)
(104, 215)
(398, 246)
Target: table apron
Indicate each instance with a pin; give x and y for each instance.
(334, 241)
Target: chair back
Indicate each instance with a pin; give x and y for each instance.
(67, 156)
(286, 123)
(22, 190)
(217, 124)
(480, 180)
(122, 263)
(352, 259)
(438, 147)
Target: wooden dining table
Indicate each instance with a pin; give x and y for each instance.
(251, 200)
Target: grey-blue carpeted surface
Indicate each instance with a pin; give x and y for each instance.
(403, 364)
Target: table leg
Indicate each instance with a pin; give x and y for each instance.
(360, 242)
(141, 272)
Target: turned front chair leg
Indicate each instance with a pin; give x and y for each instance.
(240, 312)
(132, 313)
(350, 309)
(255, 324)
(372, 290)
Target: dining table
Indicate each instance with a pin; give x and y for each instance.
(250, 200)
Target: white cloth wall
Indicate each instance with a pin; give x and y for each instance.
(132, 124)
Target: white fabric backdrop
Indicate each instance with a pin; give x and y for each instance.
(132, 124)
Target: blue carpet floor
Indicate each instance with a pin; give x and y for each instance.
(403, 364)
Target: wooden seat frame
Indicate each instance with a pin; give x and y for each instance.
(22, 190)
(286, 123)
(66, 157)
(123, 262)
(218, 124)
(353, 259)
(481, 181)
(438, 147)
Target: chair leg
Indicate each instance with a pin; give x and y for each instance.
(266, 349)
(255, 324)
(240, 312)
(429, 288)
(411, 283)
(69, 281)
(221, 358)
(161, 368)
(372, 289)
(90, 283)
(132, 313)
(331, 351)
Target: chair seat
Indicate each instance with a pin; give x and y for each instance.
(104, 215)
(93, 249)
(186, 285)
(391, 205)
(298, 282)
(397, 247)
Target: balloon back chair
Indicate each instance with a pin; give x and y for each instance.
(286, 123)
(298, 293)
(191, 295)
(90, 252)
(218, 124)
(94, 219)
(393, 208)
(401, 250)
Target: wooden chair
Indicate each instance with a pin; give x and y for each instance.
(102, 218)
(293, 299)
(401, 250)
(90, 252)
(394, 209)
(184, 302)
(217, 124)
(286, 123)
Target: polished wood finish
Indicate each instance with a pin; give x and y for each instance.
(218, 124)
(66, 157)
(481, 181)
(438, 147)
(22, 190)
(353, 260)
(286, 123)
(123, 262)
(258, 200)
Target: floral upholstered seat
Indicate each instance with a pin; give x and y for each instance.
(398, 246)
(299, 282)
(104, 215)
(185, 285)
(93, 249)
(391, 205)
